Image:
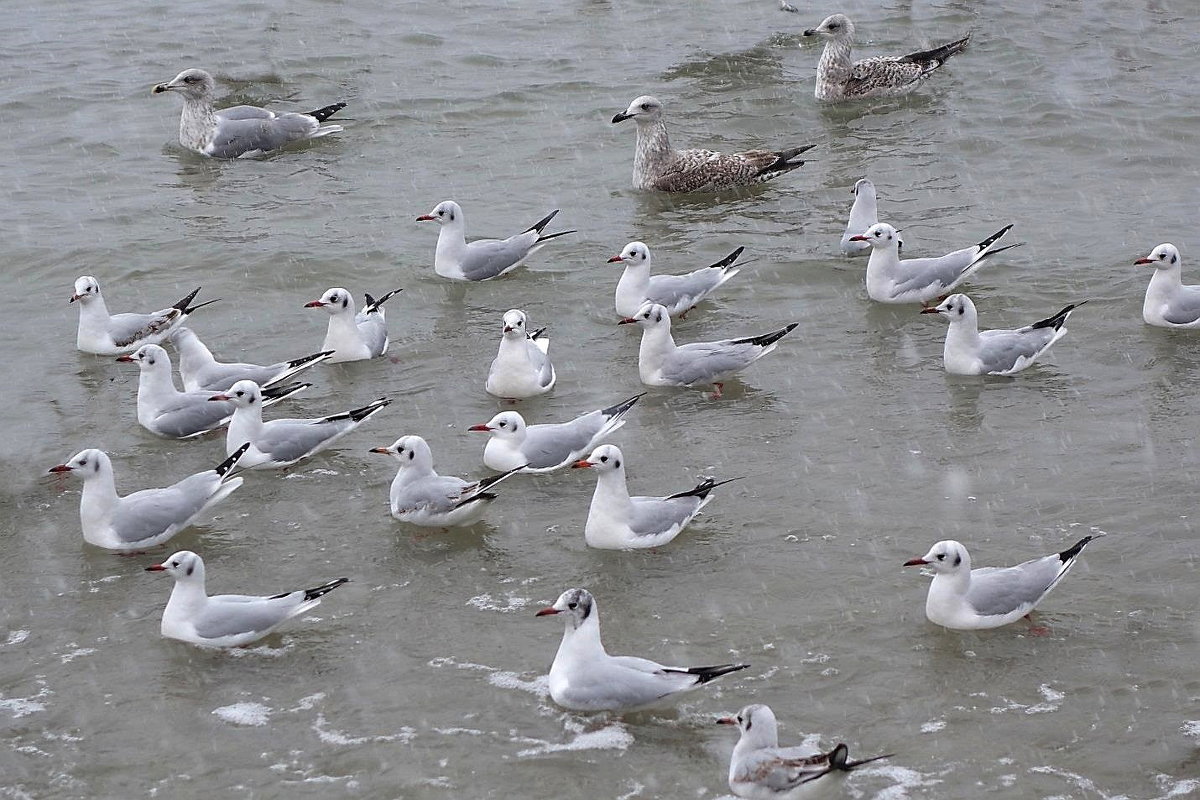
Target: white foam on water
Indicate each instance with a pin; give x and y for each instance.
(329, 736)
(933, 726)
(1191, 728)
(252, 714)
(15, 637)
(486, 602)
(903, 780)
(67, 658)
(24, 706)
(613, 736)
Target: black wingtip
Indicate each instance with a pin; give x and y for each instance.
(992, 239)
(281, 392)
(322, 114)
(539, 332)
(359, 414)
(231, 462)
(542, 223)
(300, 362)
(706, 674)
(768, 339)
(324, 589)
(373, 304)
(1059, 319)
(1075, 549)
(190, 309)
(621, 407)
(728, 260)
(702, 489)
(182, 305)
(547, 237)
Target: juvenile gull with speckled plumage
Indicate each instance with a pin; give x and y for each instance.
(839, 78)
(657, 166)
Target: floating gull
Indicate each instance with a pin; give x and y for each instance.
(226, 620)
(354, 336)
(584, 677)
(164, 410)
(202, 372)
(282, 442)
(546, 448)
(970, 351)
(617, 521)
(678, 293)
(965, 599)
(149, 517)
(422, 497)
(839, 78)
(521, 368)
(920, 280)
(760, 768)
(657, 166)
(1169, 303)
(863, 214)
(482, 259)
(662, 363)
(238, 130)
(111, 335)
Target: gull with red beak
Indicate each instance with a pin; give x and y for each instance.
(353, 336)
(677, 293)
(483, 259)
(202, 372)
(964, 599)
(226, 620)
(617, 521)
(107, 334)
(864, 213)
(1169, 303)
(522, 367)
(584, 677)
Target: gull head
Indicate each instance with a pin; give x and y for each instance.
(577, 604)
(148, 357)
(243, 394)
(835, 26)
(505, 425)
(86, 288)
(443, 213)
(182, 566)
(879, 235)
(410, 451)
(954, 308)
(514, 324)
(194, 84)
(86, 464)
(642, 110)
(945, 557)
(650, 315)
(1165, 256)
(757, 724)
(335, 301)
(634, 253)
(863, 185)
(605, 458)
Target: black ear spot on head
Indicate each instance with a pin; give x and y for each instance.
(1173, 259)
(749, 723)
(251, 400)
(617, 463)
(411, 455)
(957, 560)
(345, 300)
(191, 568)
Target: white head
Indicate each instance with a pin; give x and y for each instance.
(863, 185)
(635, 254)
(411, 451)
(945, 557)
(514, 324)
(577, 604)
(87, 288)
(185, 566)
(1165, 256)
(956, 308)
(650, 315)
(446, 212)
(87, 464)
(605, 458)
(193, 84)
(642, 110)
(880, 236)
(505, 425)
(836, 26)
(150, 358)
(336, 301)
(243, 394)
(757, 724)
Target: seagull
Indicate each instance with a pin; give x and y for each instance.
(112, 335)
(964, 599)
(282, 442)
(584, 677)
(1169, 303)
(839, 78)
(422, 497)
(226, 620)
(482, 259)
(970, 351)
(147, 518)
(351, 336)
(920, 280)
(662, 363)
(201, 372)
(550, 447)
(617, 521)
(164, 410)
(678, 293)
(863, 214)
(760, 768)
(239, 130)
(658, 167)
(521, 367)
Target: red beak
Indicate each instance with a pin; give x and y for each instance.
(156, 568)
(480, 427)
(314, 304)
(508, 329)
(60, 468)
(74, 297)
(930, 310)
(915, 562)
(1139, 261)
(545, 612)
(426, 218)
(627, 321)
(582, 464)
(727, 721)
(125, 359)
(383, 450)
(219, 397)
(859, 238)
(615, 259)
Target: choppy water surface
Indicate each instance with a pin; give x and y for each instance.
(423, 677)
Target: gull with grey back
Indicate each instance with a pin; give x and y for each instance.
(353, 335)
(201, 371)
(483, 259)
(107, 334)
(677, 293)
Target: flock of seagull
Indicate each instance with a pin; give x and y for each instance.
(583, 675)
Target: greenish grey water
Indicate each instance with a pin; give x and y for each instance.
(422, 678)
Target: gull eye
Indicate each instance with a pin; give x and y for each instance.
(83, 462)
(603, 459)
(502, 424)
(240, 393)
(572, 606)
(941, 557)
(645, 106)
(175, 563)
(441, 212)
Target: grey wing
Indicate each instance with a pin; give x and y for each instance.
(234, 137)
(191, 413)
(287, 440)
(244, 112)
(551, 445)
(231, 615)
(148, 513)
(706, 361)
(773, 769)
(439, 493)
(653, 516)
(920, 273)
(127, 329)
(1002, 590)
(1000, 351)
(540, 363)
(219, 377)
(488, 258)
(670, 290)
(373, 328)
(625, 682)
(1184, 307)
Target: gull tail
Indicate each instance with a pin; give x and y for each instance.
(359, 414)
(1058, 320)
(620, 409)
(767, 339)
(323, 589)
(785, 161)
(702, 490)
(373, 305)
(322, 114)
(933, 58)
(1068, 555)
(840, 753)
(308, 361)
(185, 308)
(706, 674)
(274, 394)
(223, 468)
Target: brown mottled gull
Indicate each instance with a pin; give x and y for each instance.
(657, 166)
(839, 78)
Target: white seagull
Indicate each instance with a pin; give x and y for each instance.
(202, 372)
(226, 620)
(353, 336)
(616, 521)
(147, 518)
(678, 293)
(422, 497)
(482, 259)
(111, 335)
(521, 367)
(657, 166)
(920, 280)
(164, 410)
(1169, 303)
(970, 351)
(863, 214)
(839, 78)
(762, 770)
(584, 677)
(964, 599)
(282, 442)
(662, 363)
(238, 130)
(548, 447)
